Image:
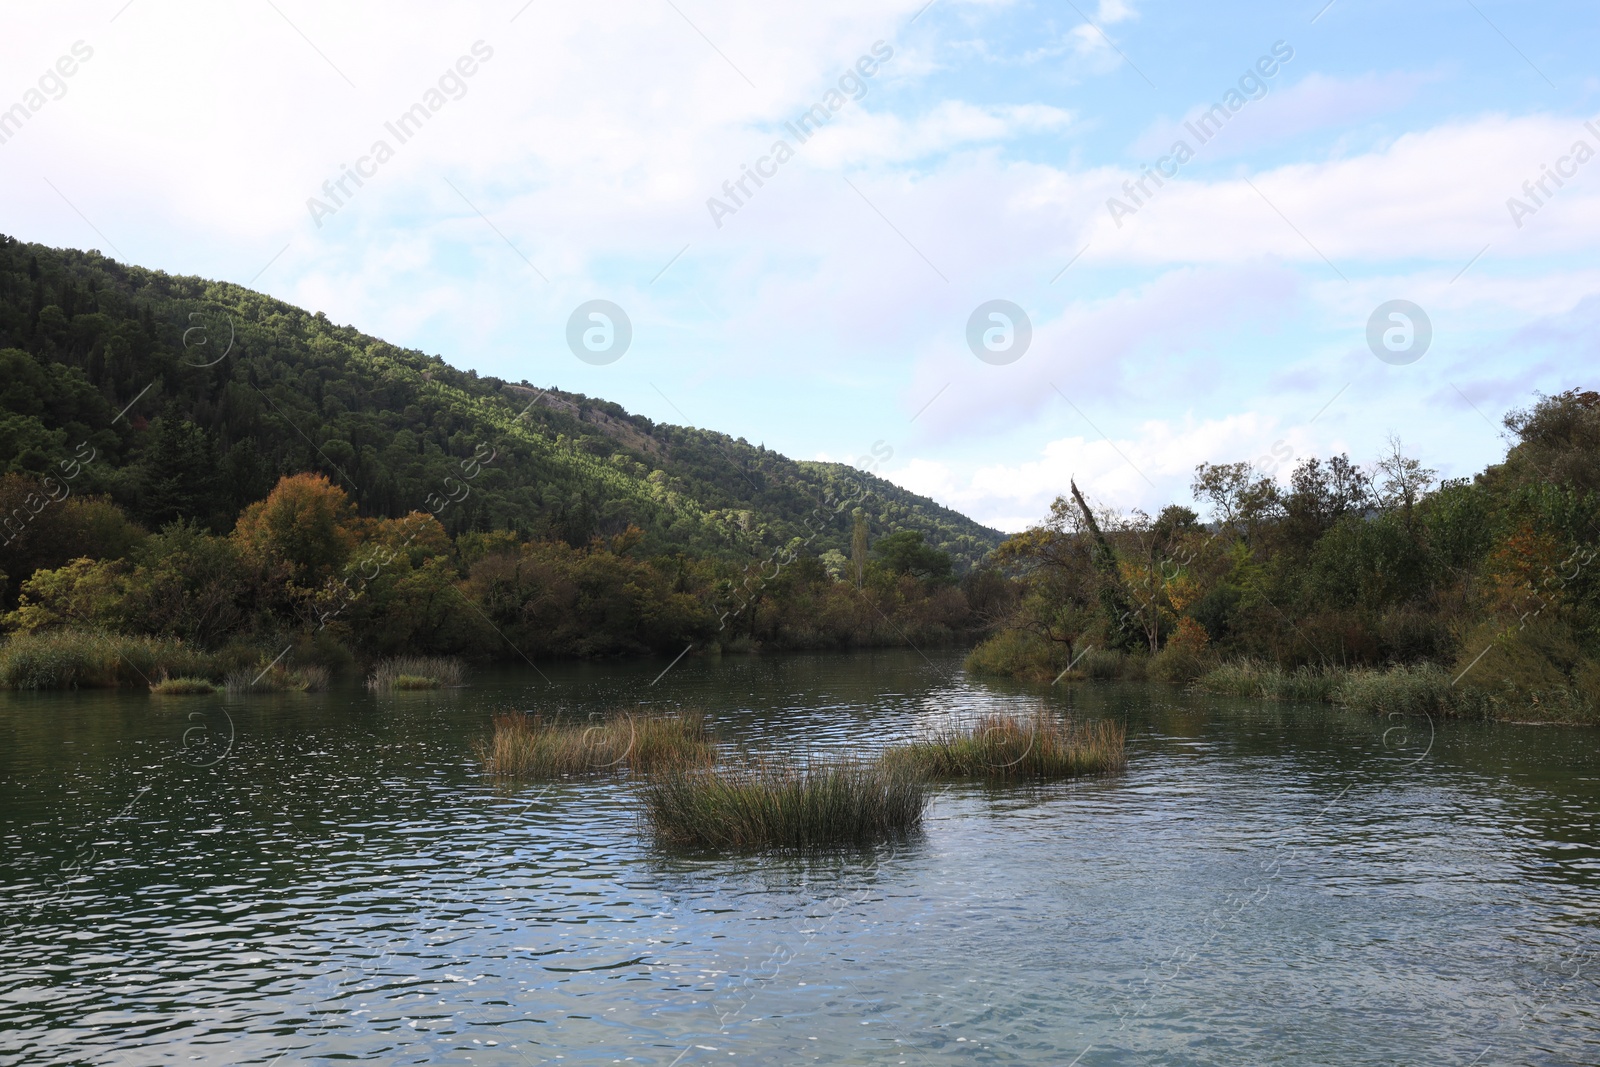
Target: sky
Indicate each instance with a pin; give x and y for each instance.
(1226, 231)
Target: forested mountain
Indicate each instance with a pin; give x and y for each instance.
(194, 397)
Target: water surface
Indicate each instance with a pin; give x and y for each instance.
(305, 878)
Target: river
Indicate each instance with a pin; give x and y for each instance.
(302, 878)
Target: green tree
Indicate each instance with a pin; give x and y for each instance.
(905, 553)
(858, 547)
(179, 474)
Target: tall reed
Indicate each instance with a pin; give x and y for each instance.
(416, 672)
(529, 746)
(1009, 747)
(279, 679)
(1423, 689)
(1253, 678)
(761, 805)
(88, 659)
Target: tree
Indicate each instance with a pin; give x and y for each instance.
(1320, 495)
(1237, 503)
(305, 526)
(1401, 481)
(42, 524)
(85, 592)
(189, 584)
(1558, 441)
(858, 547)
(1174, 521)
(1113, 595)
(1223, 486)
(179, 474)
(905, 553)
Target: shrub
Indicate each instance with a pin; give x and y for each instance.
(763, 805)
(1103, 665)
(1006, 747)
(1422, 690)
(1178, 665)
(1018, 654)
(525, 746)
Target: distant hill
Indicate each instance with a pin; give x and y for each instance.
(95, 350)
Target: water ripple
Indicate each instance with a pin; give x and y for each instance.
(1265, 884)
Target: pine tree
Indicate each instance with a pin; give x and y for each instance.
(178, 480)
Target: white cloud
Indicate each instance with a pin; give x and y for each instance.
(593, 138)
(1147, 470)
(1314, 102)
(1114, 350)
(878, 138)
(1438, 194)
(1089, 38)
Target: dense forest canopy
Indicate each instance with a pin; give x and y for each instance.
(194, 397)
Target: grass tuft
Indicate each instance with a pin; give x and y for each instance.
(183, 687)
(1013, 748)
(777, 806)
(415, 681)
(528, 746)
(278, 679)
(416, 672)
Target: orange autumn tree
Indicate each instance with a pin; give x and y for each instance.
(1523, 572)
(304, 529)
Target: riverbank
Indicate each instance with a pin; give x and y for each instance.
(77, 659)
(86, 659)
(1479, 690)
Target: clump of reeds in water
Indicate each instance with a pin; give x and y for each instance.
(416, 672)
(773, 805)
(1016, 748)
(529, 746)
(278, 679)
(182, 687)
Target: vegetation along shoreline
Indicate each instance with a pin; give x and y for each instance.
(307, 500)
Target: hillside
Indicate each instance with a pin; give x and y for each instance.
(84, 339)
